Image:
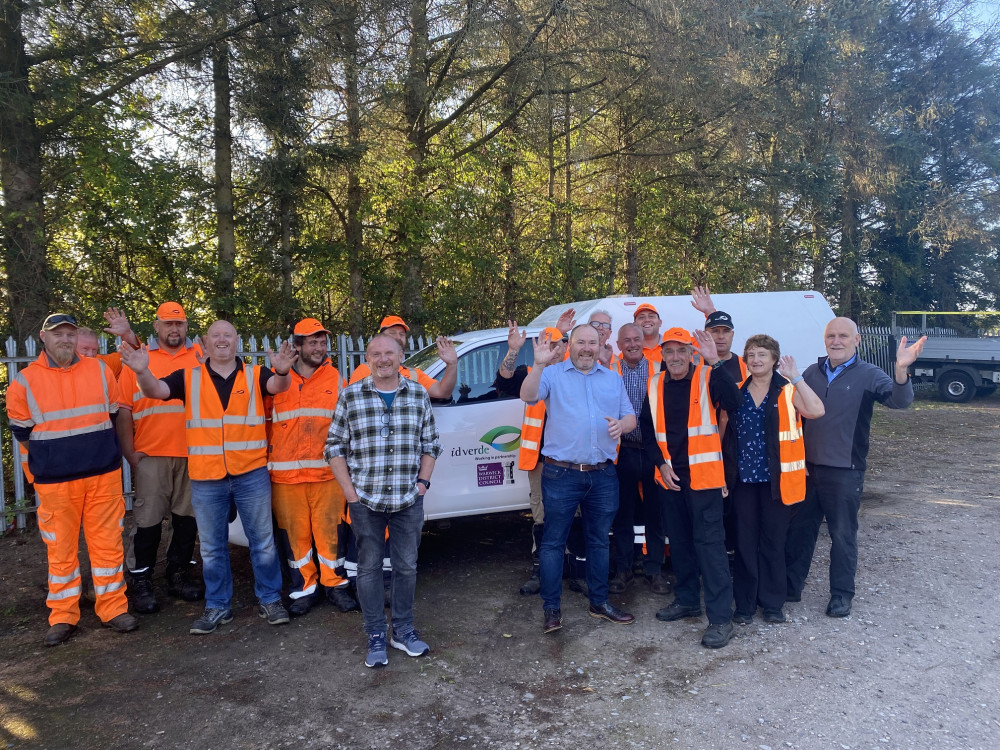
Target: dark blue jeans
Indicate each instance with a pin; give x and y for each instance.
(693, 522)
(635, 469)
(404, 539)
(836, 495)
(252, 494)
(596, 493)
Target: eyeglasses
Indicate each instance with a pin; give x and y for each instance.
(384, 432)
(599, 325)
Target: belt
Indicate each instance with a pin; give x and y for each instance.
(576, 467)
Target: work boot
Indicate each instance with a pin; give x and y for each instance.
(620, 581)
(141, 588)
(183, 585)
(340, 597)
(123, 623)
(301, 605)
(59, 633)
(533, 585)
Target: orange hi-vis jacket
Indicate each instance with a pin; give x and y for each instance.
(300, 422)
(159, 425)
(230, 442)
(704, 443)
(64, 415)
(791, 448)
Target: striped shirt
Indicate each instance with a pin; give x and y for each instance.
(383, 446)
(636, 384)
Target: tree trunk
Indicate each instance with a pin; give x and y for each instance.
(22, 216)
(355, 192)
(571, 280)
(225, 290)
(849, 252)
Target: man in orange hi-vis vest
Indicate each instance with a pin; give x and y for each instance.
(309, 505)
(62, 407)
(152, 437)
(227, 460)
(681, 436)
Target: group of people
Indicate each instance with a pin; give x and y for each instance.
(734, 460)
(651, 443)
(209, 436)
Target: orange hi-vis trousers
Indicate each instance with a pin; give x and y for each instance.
(309, 514)
(96, 503)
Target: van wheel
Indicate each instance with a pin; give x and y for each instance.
(956, 387)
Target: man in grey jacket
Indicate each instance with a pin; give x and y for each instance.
(836, 456)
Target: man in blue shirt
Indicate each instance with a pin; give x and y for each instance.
(587, 410)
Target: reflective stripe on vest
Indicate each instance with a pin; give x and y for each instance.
(704, 444)
(150, 411)
(531, 435)
(219, 442)
(791, 449)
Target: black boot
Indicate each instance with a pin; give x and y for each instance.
(141, 588)
(183, 585)
(534, 584)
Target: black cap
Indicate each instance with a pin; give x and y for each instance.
(719, 318)
(59, 319)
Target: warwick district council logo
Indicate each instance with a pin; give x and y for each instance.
(491, 438)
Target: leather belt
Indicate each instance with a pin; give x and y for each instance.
(576, 467)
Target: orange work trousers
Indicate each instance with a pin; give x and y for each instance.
(96, 504)
(309, 513)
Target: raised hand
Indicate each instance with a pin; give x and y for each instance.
(283, 359)
(118, 324)
(787, 367)
(705, 345)
(907, 355)
(566, 322)
(136, 360)
(515, 339)
(544, 354)
(701, 300)
(446, 351)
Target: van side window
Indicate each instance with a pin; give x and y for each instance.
(478, 369)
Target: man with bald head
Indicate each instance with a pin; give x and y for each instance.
(227, 460)
(836, 454)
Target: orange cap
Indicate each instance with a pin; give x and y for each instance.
(645, 306)
(676, 334)
(170, 311)
(392, 320)
(308, 326)
(554, 334)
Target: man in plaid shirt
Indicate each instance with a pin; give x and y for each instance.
(382, 447)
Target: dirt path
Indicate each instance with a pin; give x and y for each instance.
(917, 665)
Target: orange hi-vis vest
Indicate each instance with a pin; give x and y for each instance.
(531, 436)
(300, 422)
(230, 442)
(704, 443)
(791, 449)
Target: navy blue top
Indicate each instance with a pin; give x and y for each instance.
(752, 460)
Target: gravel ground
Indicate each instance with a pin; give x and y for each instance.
(914, 666)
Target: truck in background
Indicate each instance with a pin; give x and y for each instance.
(962, 367)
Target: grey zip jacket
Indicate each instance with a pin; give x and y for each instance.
(840, 437)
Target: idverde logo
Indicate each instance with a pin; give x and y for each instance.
(492, 438)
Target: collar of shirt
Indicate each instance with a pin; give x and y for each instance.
(368, 384)
(833, 373)
(640, 365)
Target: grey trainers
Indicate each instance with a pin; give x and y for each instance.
(210, 620)
(274, 612)
(409, 641)
(378, 655)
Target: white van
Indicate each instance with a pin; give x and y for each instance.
(481, 429)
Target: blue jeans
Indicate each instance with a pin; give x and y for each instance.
(404, 538)
(252, 494)
(596, 492)
(836, 494)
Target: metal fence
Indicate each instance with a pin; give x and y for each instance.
(878, 344)
(16, 499)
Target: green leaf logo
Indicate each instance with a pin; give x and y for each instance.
(490, 438)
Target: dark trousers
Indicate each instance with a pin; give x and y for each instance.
(761, 525)
(693, 522)
(836, 495)
(635, 469)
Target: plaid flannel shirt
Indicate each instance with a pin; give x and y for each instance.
(383, 469)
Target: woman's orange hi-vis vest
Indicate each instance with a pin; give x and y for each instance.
(791, 449)
(704, 444)
(220, 442)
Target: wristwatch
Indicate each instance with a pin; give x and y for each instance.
(717, 364)
(425, 482)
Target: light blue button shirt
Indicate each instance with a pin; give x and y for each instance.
(576, 404)
(832, 373)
